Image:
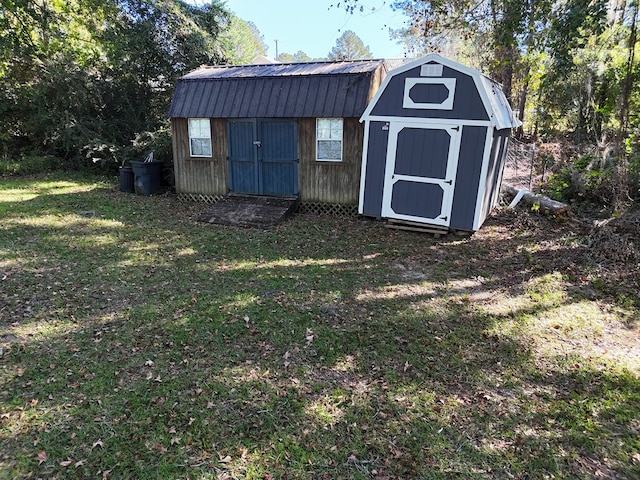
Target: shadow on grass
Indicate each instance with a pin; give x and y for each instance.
(325, 348)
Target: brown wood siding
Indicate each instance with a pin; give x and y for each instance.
(330, 182)
(206, 176)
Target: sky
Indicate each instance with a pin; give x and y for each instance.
(313, 26)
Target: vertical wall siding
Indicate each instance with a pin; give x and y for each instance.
(376, 162)
(494, 172)
(468, 177)
(330, 182)
(207, 176)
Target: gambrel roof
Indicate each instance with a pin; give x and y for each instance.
(493, 100)
(285, 90)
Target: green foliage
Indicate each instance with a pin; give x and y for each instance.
(349, 47)
(299, 56)
(29, 165)
(82, 80)
(243, 41)
(594, 180)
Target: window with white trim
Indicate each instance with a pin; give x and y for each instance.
(329, 139)
(429, 93)
(200, 137)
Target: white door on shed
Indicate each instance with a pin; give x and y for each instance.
(420, 172)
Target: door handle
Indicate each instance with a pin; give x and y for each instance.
(257, 143)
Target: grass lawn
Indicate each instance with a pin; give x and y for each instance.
(136, 343)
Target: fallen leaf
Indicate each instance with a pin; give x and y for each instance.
(42, 457)
(66, 463)
(97, 443)
(79, 463)
(286, 357)
(148, 363)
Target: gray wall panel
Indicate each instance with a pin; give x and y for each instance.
(468, 177)
(494, 172)
(376, 160)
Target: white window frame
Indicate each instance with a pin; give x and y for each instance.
(198, 131)
(447, 103)
(330, 138)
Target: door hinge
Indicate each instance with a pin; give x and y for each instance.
(450, 182)
(444, 218)
(456, 128)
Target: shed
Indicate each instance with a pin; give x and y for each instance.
(284, 129)
(436, 136)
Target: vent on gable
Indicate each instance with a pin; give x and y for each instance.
(431, 70)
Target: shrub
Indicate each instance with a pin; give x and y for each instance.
(595, 180)
(30, 164)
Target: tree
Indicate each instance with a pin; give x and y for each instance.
(571, 65)
(299, 57)
(242, 41)
(83, 79)
(349, 47)
(504, 38)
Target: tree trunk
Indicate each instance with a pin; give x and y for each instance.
(628, 78)
(522, 103)
(546, 204)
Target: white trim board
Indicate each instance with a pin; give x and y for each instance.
(482, 184)
(363, 168)
(422, 121)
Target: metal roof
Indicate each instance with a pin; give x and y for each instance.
(284, 69)
(294, 90)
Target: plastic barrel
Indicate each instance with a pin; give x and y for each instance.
(147, 177)
(126, 179)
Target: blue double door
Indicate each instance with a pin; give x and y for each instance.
(263, 156)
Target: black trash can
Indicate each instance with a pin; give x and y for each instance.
(126, 179)
(147, 177)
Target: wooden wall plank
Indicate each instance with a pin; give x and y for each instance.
(330, 182)
(324, 182)
(207, 176)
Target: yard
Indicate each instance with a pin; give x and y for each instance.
(138, 343)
